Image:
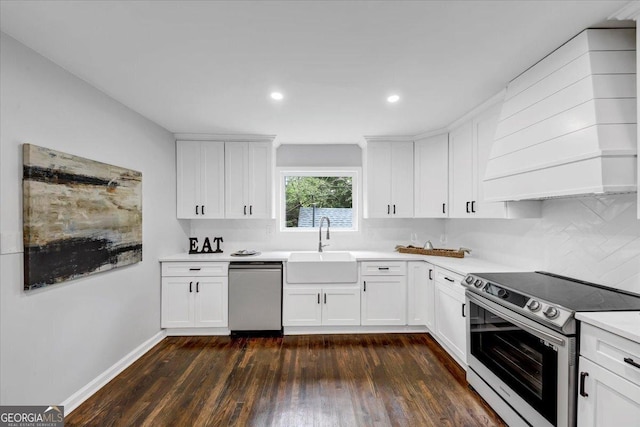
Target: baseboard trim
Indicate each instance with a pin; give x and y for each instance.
(77, 398)
(196, 332)
(314, 330)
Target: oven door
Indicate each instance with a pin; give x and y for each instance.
(522, 361)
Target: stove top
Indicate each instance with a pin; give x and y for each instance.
(549, 298)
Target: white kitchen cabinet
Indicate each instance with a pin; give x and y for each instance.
(609, 379)
(450, 313)
(417, 292)
(469, 150)
(384, 300)
(430, 309)
(248, 180)
(431, 177)
(316, 306)
(197, 300)
(200, 179)
(389, 182)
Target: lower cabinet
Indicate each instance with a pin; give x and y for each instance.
(450, 322)
(609, 379)
(316, 306)
(199, 302)
(384, 300)
(420, 294)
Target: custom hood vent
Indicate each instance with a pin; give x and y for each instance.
(568, 124)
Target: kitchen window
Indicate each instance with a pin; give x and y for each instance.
(308, 195)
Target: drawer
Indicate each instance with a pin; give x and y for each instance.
(610, 351)
(446, 276)
(195, 269)
(383, 268)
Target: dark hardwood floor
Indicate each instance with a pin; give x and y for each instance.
(318, 380)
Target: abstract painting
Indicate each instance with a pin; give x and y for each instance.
(80, 216)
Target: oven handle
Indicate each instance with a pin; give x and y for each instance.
(531, 329)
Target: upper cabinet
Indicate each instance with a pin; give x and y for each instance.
(248, 177)
(431, 171)
(200, 179)
(469, 150)
(389, 179)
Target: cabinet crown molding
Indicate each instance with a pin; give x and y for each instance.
(233, 137)
(630, 11)
(389, 138)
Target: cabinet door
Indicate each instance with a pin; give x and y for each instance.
(611, 400)
(302, 306)
(177, 302)
(430, 310)
(384, 300)
(402, 179)
(450, 321)
(212, 180)
(211, 302)
(461, 171)
(378, 204)
(417, 281)
(431, 171)
(235, 169)
(259, 180)
(485, 130)
(341, 307)
(188, 179)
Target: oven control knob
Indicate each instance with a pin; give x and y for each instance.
(469, 279)
(551, 312)
(478, 283)
(533, 305)
(502, 293)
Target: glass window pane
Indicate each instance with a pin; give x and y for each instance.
(309, 198)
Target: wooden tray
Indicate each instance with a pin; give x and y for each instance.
(453, 253)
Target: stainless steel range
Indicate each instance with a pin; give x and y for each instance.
(521, 341)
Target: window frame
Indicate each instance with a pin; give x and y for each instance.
(353, 172)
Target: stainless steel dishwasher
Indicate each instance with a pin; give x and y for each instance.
(255, 298)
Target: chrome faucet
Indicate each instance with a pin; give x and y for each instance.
(320, 245)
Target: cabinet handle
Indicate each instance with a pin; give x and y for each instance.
(451, 280)
(473, 206)
(202, 209)
(583, 377)
(383, 268)
(631, 362)
(245, 209)
(194, 269)
(430, 274)
(325, 298)
(190, 287)
(197, 286)
(388, 209)
(463, 306)
(394, 209)
(250, 209)
(365, 286)
(443, 208)
(468, 207)
(318, 298)
(197, 210)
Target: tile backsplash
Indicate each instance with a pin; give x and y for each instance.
(596, 239)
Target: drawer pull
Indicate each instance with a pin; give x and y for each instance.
(383, 268)
(450, 280)
(631, 362)
(583, 377)
(194, 269)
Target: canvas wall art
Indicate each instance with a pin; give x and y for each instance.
(81, 216)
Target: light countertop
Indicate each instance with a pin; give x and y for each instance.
(461, 266)
(623, 323)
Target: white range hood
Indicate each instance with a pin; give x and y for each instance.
(568, 124)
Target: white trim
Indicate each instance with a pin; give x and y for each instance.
(77, 398)
(498, 97)
(197, 332)
(314, 330)
(389, 138)
(630, 11)
(429, 134)
(184, 136)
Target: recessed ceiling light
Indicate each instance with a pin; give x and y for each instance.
(277, 96)
(393, 99)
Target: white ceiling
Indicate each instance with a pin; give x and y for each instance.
(209, 66)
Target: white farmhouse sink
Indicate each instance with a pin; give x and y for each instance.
(322, 267)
